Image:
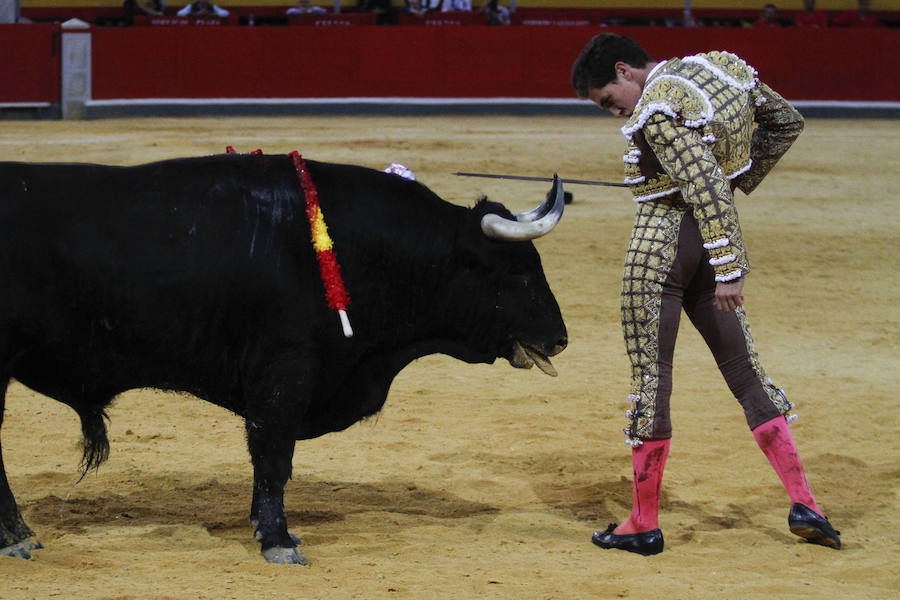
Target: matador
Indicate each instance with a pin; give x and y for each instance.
(697, 128)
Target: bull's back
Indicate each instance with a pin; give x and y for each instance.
(150, 266)
(88, 230)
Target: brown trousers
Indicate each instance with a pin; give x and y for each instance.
(667, 270)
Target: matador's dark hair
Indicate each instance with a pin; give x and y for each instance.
(595, 66)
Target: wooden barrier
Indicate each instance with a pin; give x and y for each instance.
(166, 21)
(334, 20)
(30, 72)
(443, 18)
(476, 61)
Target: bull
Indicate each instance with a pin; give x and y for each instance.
(197, 275)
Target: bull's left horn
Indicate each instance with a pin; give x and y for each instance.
(528, 225)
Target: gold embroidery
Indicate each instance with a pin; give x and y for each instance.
(650, 256)
(776, 395)
(690, 135)
(779, 125)
(693, 128)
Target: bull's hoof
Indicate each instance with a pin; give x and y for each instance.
(284, 556)
(22, 549)
(258, 534)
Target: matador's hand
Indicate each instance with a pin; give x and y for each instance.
(729, 294)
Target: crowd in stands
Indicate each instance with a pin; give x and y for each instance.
(305, 7)
(146, 7)
(492, 12)
(497, 14)
(810, 17)
(202, 8)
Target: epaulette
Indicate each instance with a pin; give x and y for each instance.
(728, 67)
(675, 91)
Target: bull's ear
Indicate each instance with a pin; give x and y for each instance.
(475, 251)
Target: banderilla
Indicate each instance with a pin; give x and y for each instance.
(548, 179)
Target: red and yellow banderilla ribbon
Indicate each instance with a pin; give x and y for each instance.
(329, 270)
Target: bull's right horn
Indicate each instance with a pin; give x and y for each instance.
(528, 225)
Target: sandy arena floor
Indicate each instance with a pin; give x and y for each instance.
(485, 481)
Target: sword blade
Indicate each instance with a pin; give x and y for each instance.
(548, 179)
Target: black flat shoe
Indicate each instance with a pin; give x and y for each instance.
(813, 527)
(645, 542)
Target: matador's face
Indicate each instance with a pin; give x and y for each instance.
(619, 96)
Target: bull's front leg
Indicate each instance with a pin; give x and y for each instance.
(271, 452)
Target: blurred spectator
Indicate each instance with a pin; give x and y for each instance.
(151, 8)
(385, 13)
(810, 17)
(861, 17)
(495, 13)
(768, 17)
(305, 7)
(451, 5)
(202, 8)
(10, 12)
(376, 6)
(415, 7)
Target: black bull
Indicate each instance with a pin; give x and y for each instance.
(198, 275)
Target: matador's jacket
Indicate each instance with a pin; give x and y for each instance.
(704, 125)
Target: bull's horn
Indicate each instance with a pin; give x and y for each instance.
(528, 225)
(546, 206)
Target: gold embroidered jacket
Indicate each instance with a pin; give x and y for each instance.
(703, 124)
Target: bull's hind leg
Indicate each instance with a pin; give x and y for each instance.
(16, 538)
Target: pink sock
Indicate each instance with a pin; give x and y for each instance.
(776, 441)
(648, 461)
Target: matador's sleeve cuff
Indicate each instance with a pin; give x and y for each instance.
(726, 259)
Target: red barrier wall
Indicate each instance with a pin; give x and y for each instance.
(29, 71)
(422, 61)
(471, 61)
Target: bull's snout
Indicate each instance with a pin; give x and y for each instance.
(526, 356)
(560, 346)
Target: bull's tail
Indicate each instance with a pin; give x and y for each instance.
(95, 442)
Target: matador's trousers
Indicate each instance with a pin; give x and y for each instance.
(667, 269)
